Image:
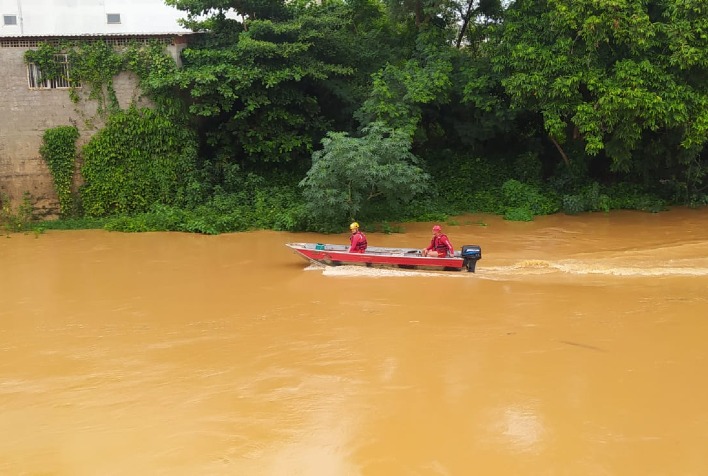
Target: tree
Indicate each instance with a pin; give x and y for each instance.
(351, 172)
(601, 72)
(259, 81)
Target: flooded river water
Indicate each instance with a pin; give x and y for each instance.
(579, 347)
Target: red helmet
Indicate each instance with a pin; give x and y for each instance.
(437, 228)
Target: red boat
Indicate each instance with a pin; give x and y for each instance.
(377, 257)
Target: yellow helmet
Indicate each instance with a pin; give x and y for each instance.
(353, 225)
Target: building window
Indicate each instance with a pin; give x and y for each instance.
(9, 19)
(113, 18)
(61, 81)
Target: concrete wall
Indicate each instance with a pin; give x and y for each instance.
(24, 116)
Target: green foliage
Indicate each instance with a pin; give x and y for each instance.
(45, 57)
(518, 214)
(618, 87)
(59, 152)
(685, 29)
(527, 168)
(139, 159)
(686, 185)
(256, 83)
(94, 64)
(567, 179)
(619, 76)
(72, 223)
(594, 197)
(520, 198)
(401, 91)
(350, 172)
(590, 199)
(16, 219)
(461, 181)
(632, 197)
(488, 201)
(155, 68)
(274, 208)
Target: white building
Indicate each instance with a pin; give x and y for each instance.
(27, 18)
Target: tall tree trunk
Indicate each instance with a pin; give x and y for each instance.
(560, 150)
(465, 23)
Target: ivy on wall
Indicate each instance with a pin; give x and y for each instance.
(142, 156)
(59, 152)
(140, 159)
(93, 65)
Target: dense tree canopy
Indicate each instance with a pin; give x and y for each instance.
(615, 74)
(271, 83)
(565, 104)
(614, 86)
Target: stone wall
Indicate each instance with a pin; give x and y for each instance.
(24, 116)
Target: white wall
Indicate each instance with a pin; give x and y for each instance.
(85, 17)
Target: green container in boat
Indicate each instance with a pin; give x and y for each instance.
(319, 246)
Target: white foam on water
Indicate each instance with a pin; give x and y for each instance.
(574, 267)
(654, 271)
(315, 267)
(519, 269)
(349, 271)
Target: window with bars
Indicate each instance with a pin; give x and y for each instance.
(37, 80)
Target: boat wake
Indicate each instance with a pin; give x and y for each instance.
(578, 267)
(354, 271)
(670, 268)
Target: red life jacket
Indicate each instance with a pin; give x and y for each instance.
(361, 246)
(439, 243)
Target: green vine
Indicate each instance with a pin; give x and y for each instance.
(93, 65)
(141, 157)
(139, 160)
(59, 152)
(45, 58)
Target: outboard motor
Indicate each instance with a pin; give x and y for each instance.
(470, 255)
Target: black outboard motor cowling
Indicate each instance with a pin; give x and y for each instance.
(470, 255)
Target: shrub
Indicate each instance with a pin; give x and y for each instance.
(518, 195)
(350, 174)
(518, 214)
(633, 197)
(590, 199)
(16, 219)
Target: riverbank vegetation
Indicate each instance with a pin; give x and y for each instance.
(304, 115)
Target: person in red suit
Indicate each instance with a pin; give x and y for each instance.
(440, 245)
(357, 239)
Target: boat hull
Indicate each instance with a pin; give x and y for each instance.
(377, 257)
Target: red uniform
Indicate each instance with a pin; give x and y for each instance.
(442, 245)
(358, 241)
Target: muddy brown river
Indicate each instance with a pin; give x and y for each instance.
(579, 347)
